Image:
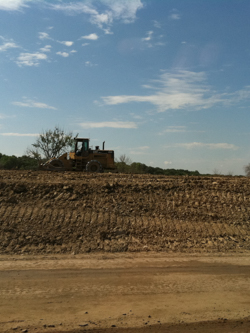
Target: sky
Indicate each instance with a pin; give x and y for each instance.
(165, 82)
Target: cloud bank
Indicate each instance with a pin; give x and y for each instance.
(8, 45)
(103, 13)
(30, 59)
(192, 145)
(90, 37)
(111, 124)
(181, 90)
(33, 104)
(12, 5)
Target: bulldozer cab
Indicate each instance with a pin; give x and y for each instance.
(81, 146)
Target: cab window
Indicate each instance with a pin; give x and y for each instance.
(85, 146)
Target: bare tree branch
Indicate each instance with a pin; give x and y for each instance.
(247, 170)
(51, 143)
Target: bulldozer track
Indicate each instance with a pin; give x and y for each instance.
(71, 212)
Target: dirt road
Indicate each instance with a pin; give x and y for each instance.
(146, 292)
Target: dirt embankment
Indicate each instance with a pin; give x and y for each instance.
(45, 212)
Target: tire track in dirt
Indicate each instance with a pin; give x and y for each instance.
(45, 212)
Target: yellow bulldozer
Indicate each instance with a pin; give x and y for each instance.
(83, 158)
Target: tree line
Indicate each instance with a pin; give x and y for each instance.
(30, 163)
(13, 162)
(140, 168)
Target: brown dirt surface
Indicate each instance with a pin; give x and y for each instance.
(46, 212)
(125, 293)
(123, 253)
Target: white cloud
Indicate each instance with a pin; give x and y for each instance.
(175, 15)
(149, 41)
(135, 116)
(19, 134)
(46, 48)
(107, 31)
(167, 162)
(173, 91)
(149, 36)
(179, 129)
(33, 104)
(175, 129)
(79, 8)
(66, 43)
(63, 54)
(30, 59)
(160, 44)
(238, 96)
(192, 145)
(157, 24)
(90, 37)
(111, 124)
(89, 64)
(43, 35)
(85, 44)
(13, 4)
(112, 10)
(181, 90)
(124, 10)
(8, 45)
(101, 13)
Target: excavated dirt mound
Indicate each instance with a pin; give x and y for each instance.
(46, 212)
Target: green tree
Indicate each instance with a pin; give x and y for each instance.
(9, 162)
(137, 167)
(51, 143)
(123, 164)
(12, 162)
(27, 163)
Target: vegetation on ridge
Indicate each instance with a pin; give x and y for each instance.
(28, 163)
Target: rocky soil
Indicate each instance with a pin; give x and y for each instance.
(46, 212)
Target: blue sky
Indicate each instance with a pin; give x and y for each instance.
(165, 82)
